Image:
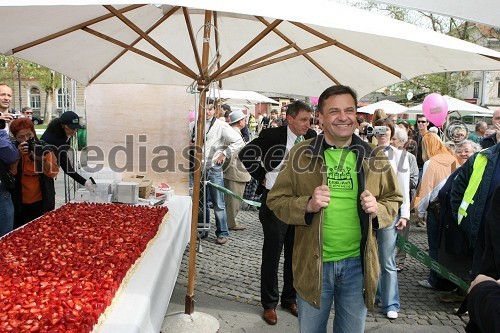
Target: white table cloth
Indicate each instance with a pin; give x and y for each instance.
(141, 306)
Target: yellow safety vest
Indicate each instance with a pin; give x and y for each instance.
(474, 181)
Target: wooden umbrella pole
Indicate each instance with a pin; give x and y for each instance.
(200, 133)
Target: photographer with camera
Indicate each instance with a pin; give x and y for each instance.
(34, 171)
(58, 134)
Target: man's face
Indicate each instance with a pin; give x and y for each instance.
(209, 113)
(496, 117)
(339, 117)
(422, 124)
(283, 115)
(300, 124)
(28, 113)
(274, 116)
(5, 97)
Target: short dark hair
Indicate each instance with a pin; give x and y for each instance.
(333, 91)
(226, 107)
(26, 108)
(294, 108)
(422, 116)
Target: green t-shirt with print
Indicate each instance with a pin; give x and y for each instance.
(341, 227)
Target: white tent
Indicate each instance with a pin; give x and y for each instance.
(462, 107)
(250, 97)
(389, 107)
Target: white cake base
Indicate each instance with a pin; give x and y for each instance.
(198, 322)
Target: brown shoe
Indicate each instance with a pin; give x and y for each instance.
(221, 240)
(292, 308)
(270, 316)
(239, 226)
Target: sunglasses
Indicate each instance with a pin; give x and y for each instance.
(421, 121)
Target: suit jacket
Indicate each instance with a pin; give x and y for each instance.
(265, 153)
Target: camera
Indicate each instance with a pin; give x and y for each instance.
(31, 144)
(376, 130)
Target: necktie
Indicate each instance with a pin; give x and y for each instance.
(299, 139)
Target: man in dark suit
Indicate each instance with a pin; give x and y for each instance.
(263, 158)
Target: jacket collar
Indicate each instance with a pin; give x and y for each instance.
(317, 147)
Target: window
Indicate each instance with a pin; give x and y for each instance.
(476, 90)
(62, 99)
(34, 97)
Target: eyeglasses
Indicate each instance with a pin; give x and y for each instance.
(421, 121)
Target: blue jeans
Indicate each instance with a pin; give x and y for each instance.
(6, 213)
(433, 240)
(214, 175)
(388, 292)
(343, 286)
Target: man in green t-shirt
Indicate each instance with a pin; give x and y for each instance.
(336, 190)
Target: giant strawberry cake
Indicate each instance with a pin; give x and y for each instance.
(62, 271)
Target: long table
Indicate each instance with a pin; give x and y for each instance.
(141, 306)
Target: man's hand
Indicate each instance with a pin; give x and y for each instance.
(401, 224)
(320, 199)
(369, 203)
(480, 278)
(6, 116)
(220, 159)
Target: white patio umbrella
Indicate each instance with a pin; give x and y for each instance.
(389, 107)
(454, 104)
(481, 11)
(280, 46)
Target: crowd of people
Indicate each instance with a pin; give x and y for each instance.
(337, 189)
(29, 165)
(335, 192)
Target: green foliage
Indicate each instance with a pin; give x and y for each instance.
(47, 79)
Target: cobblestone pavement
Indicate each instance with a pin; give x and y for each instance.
(232, 272)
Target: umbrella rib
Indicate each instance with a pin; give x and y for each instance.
(307, 56)
(247, 47)
(71, 29)
(267, 56)
(349, 50)
(217, 45)
(150, 40)
(233, 72)
(154, 26)
(137, 51)
(189, 26)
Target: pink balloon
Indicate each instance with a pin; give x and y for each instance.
(192, 115)
(435, 109)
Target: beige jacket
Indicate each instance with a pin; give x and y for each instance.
(303, 171)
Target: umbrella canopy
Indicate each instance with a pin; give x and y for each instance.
(234, 96)
(280, 46)
(389, 107)
(462, 107)
(481, 11)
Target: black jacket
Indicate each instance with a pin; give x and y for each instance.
(488, 141)
(265, 153)
(483, 302)
(60, 148)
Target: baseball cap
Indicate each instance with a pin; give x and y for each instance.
(70, 119)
